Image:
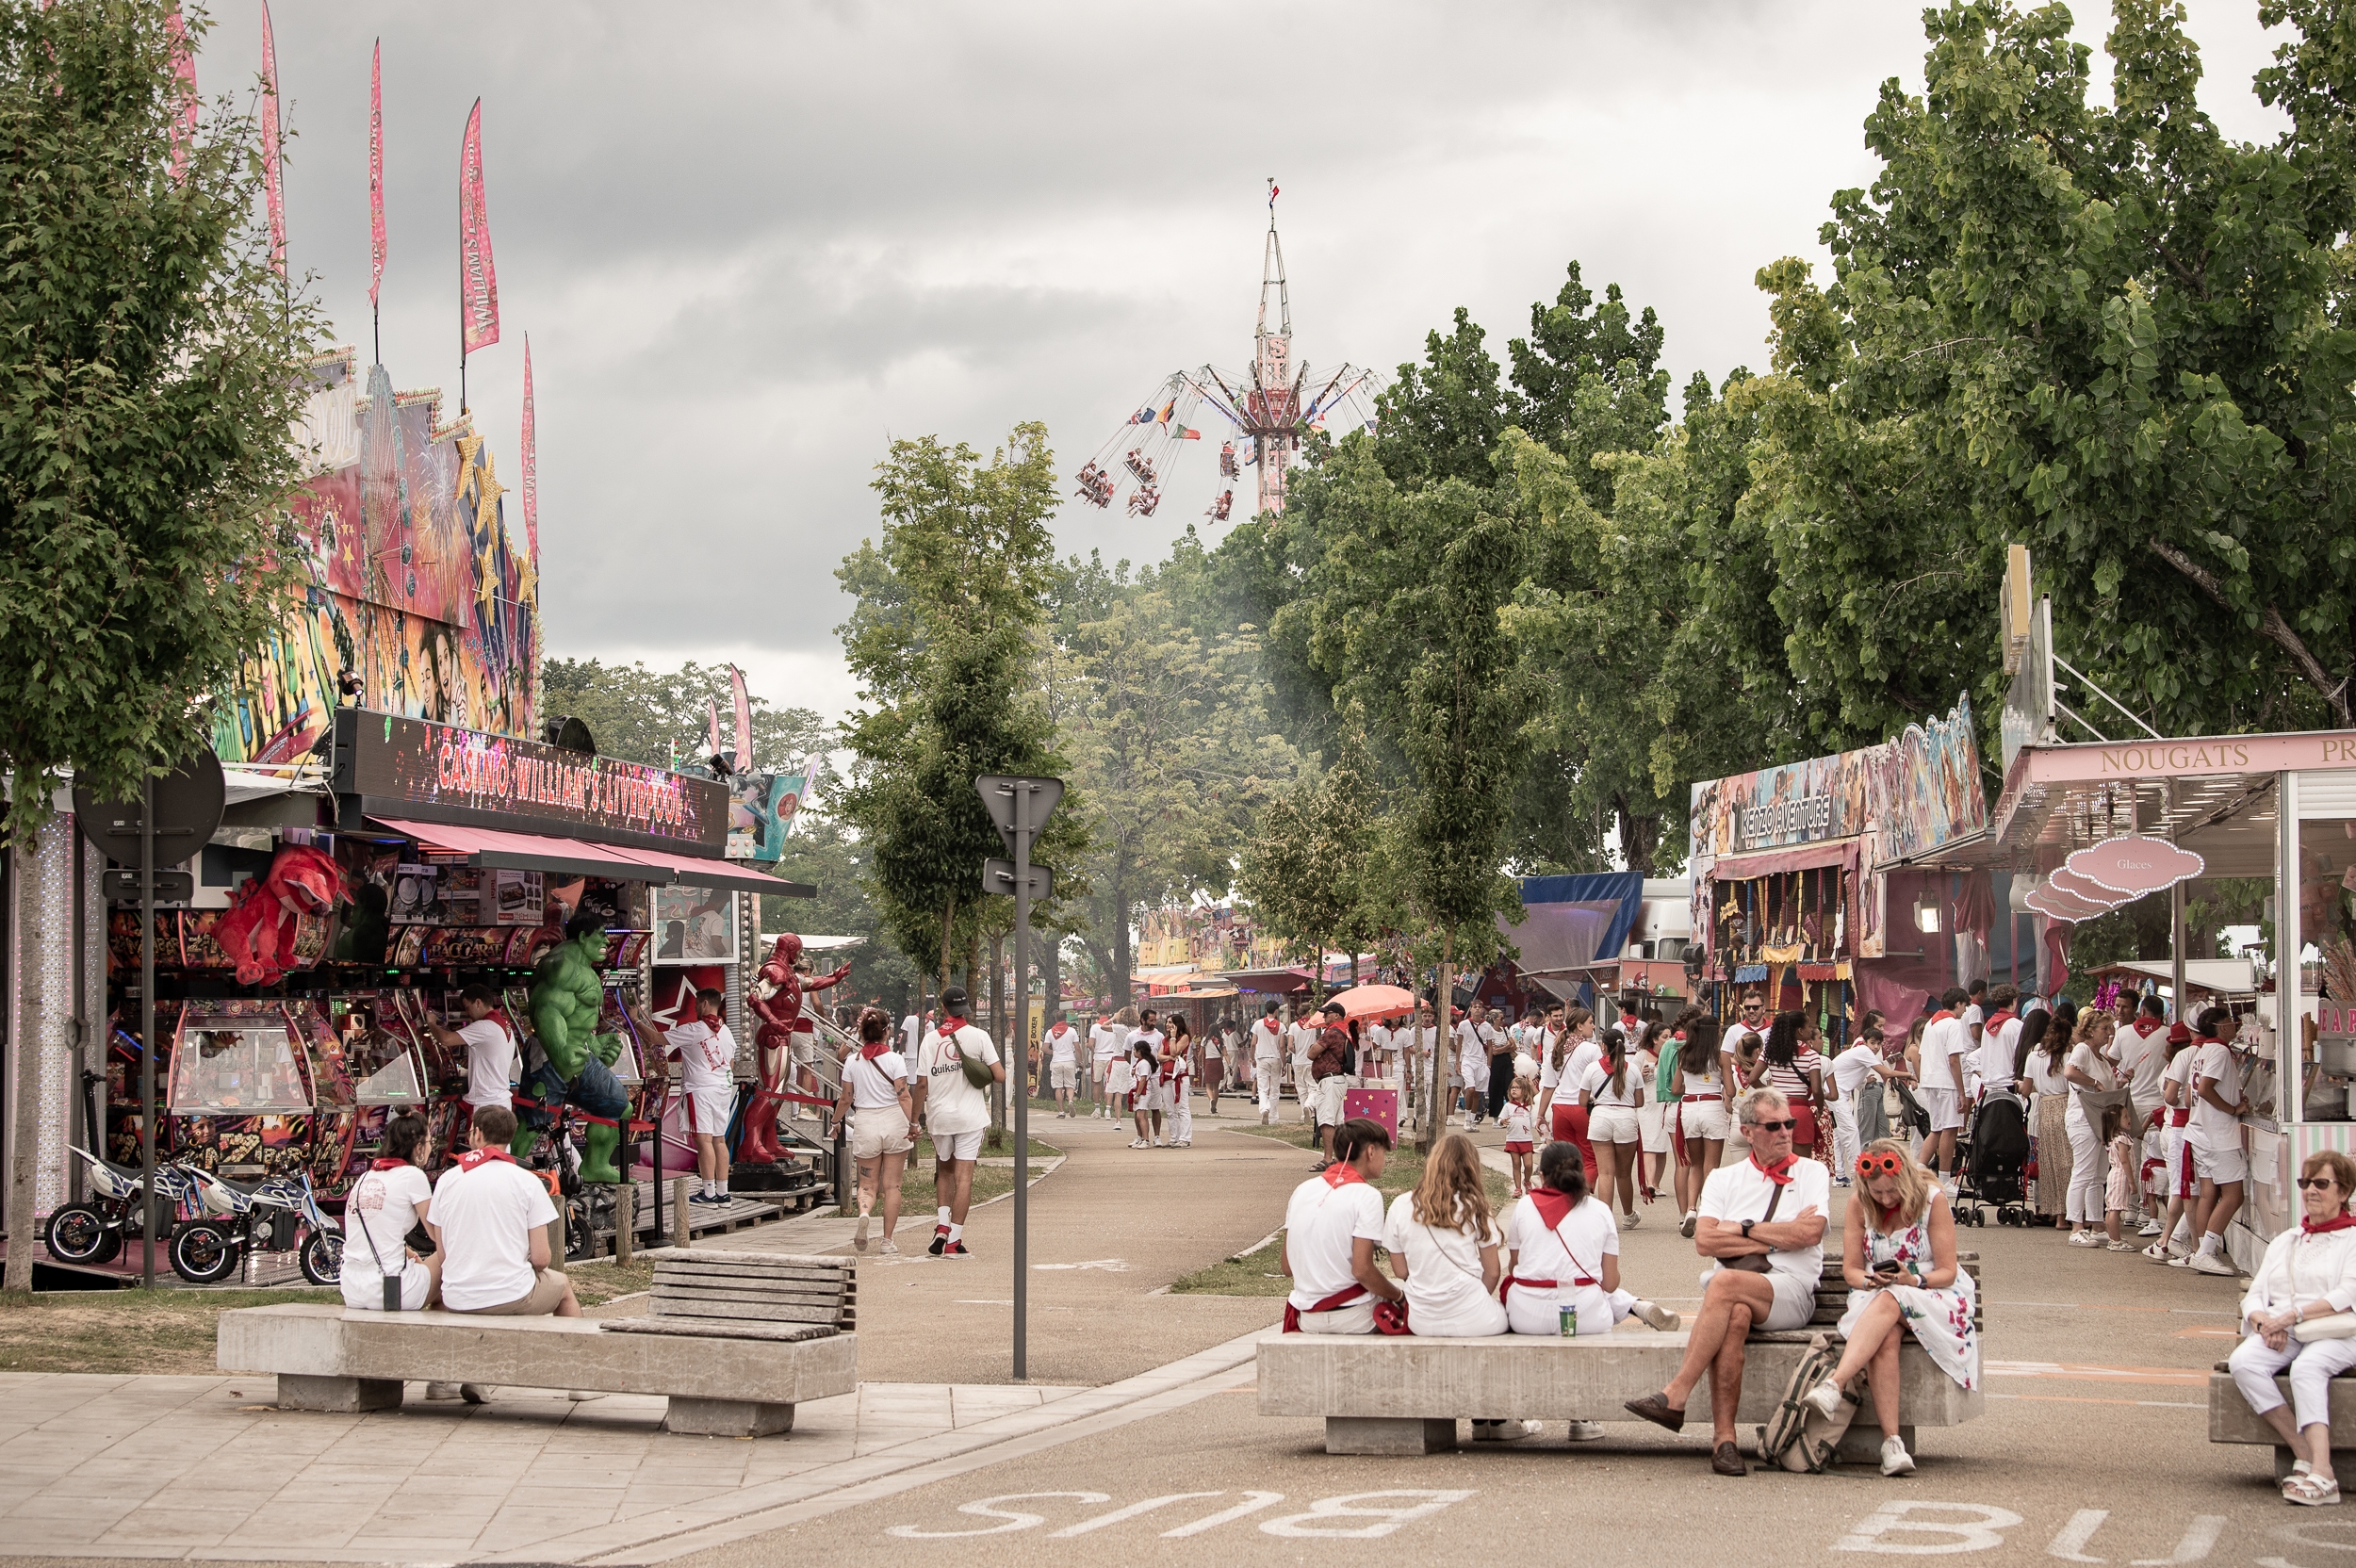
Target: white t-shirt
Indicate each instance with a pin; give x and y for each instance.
(2179, 1072)
(487, 1216)
(1941, 1042)
(1738, 1192)
(1574, 1251)
(707, 1055)
(1443, 1289)
(911, 1034)
(1472, 1047)
(1634, 1088)
(1321, 1222)
(2096, 1066)
(1577, 1059)
(1267, 1039)
(1974, 1018)
(1303, 1036)
(2045, 1074)
(490, 1058)
(951, 1104)
(2212, 1128)
(1525, 1065)
(1997, 1046)
(874, 1083)
(1853, 1067)
(1374, 1044)
(1103, 1042)
(2145, 1057)
(1518, 1123)
(379, 1212)
(1064, 1042)
(1730, 1042)
(1421, 1042)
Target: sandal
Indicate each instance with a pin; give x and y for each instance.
(2312, 1491)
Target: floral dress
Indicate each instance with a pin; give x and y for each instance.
(1940, 1319)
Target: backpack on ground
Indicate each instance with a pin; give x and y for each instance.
(1799, 1438)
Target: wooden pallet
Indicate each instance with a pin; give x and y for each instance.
(714, 1286)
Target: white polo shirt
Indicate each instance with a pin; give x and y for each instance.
(2144, 1055)
(1103, 1043)
(1997, 1046)
(1943, 1042)
(487, 1216)
(1735, 1193)
(1267, 1039)
(1322, 1221)
(2212, 1128)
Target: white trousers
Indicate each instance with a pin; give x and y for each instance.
(1271, 1078)
(2313, 1366)
(1305, 1091)
(1844, 1141)
(1182, 1113)
(2086, 1169)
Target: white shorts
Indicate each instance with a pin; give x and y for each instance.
(1329, 1092)
(1613, 1125)
(805, 1048)
(1652, 1120)
(959, 1146)
(1795, 1300)
(2217, 1164)
(1064, 1075)
(1355, 1319)
(1705, 1120)
(1946, 1110)
(877, 1131)
(709, 1110)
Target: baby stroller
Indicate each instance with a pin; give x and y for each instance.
(1995, 1165)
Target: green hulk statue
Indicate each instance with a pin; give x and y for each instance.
(567, 998)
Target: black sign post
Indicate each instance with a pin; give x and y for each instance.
(1020, 807)
(185, 806)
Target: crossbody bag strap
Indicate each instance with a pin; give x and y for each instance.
(1773, 1199)
(358, 1215)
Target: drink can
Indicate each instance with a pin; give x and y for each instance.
(1569, 1318)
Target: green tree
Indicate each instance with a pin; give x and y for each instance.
(151, 382)
(2105, 332)
(942, 639)
(823, 854)
(1312, 870)
(662, 717)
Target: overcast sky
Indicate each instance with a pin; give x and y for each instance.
(754, 243)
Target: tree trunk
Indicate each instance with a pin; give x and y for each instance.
(948, 928)
(1639, 836)
(1122, 955)
(1428, 1134)
(1051, 972)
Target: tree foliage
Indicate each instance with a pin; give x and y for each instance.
(662, 717)
(150, 373)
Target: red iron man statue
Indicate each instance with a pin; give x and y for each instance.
(776, 1001)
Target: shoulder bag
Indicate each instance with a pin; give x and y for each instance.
(1756, 1263)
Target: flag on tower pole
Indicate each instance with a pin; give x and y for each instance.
(376, 176)
(712, 737)
(743, 719)
(183, 67)
(478, 279)
(276, 196)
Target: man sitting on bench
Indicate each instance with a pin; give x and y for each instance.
(1762, 1224)
(490, 1219)
(1332, 1227)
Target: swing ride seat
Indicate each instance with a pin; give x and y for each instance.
(2232, 1420)
(733, 1381)
(1399, 1395)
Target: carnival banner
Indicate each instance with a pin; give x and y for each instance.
(478, 278)
(762, 809)
(376, 171)
(532, 472)
(271, 191)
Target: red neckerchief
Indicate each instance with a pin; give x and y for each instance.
(387, 1165)
(475, 1157)
(1941, 1013)
(870, 1049)
(951, 1024)
(1779, 1172)
(2337, 1222)
(1338, 1175)
(499, 1015)
(1997, 1021)
(1551, 1206)
(2146, 1027)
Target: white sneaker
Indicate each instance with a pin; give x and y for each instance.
(889, 1247)
(2212, 1262)
(1158, 1143)
(2157, 1251)
(441, 1391)
(1824, 1399)
(859, 1241)
(1586, 1431)
(1138, 1143)
(1504, 1431)
(2085, 1238)
(1895, 1460)
(1685, 1227)
(1630, 1220)
(2150, 1228)
(1658, 1317)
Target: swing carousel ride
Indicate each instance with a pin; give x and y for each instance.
(1268, 413)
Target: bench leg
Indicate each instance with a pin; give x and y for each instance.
(1367, 1434)
(1862, 1442)
(727, 1418)
(339, 1396)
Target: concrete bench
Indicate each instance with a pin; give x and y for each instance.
(2232, 1420)
(332, 1357)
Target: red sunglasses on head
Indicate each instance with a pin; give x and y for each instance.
(1884, 1163)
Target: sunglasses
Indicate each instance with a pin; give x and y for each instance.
(1783, 1126)
(1884, 1163)
(2307, 1182)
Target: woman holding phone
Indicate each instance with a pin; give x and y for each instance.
(1898, 1254)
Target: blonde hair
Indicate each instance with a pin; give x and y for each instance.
(1914, 1184)
(2090, 1022)
(1452, 1194)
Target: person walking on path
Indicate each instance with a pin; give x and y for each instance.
(2309, 1271)
(1121, 1082)
(1418, 1047)
(1610, 1093)
(1571, 1050)
(1107, 1044)
(1946, 1046)
(1771, 1208)
(1329, 1077)
(1474, 1040)
(1520, 1126)
(955, 1113)
(1856, 1075)
(1794, 1067)
(1898, 1254)
(1219, 1049)
(1497, 1073)
(2042, 1067)
(1333, 1224)
(2174, 1248)
(1177, 1077)
(1699, 1122)
(1652, 1116)
(878, 1109)
(1063, 1063)
(1268, 1062)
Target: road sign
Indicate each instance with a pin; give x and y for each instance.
(189, 803)
(171, 887)
(997, 791)
(998, 877)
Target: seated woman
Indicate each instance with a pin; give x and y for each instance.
(385, 1204)
(1443, 1239)
(2309, 1272)
(1898, 1254)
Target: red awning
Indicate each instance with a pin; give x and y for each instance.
(730, 875)
(1744, 868)
(486, 846)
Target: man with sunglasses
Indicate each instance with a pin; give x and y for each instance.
(1750, 1021)
(1763, 1225)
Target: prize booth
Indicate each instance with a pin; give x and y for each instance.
(299, 994)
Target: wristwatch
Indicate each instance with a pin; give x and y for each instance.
(1746, 1228)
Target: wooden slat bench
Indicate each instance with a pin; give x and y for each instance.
(2232, 1420)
